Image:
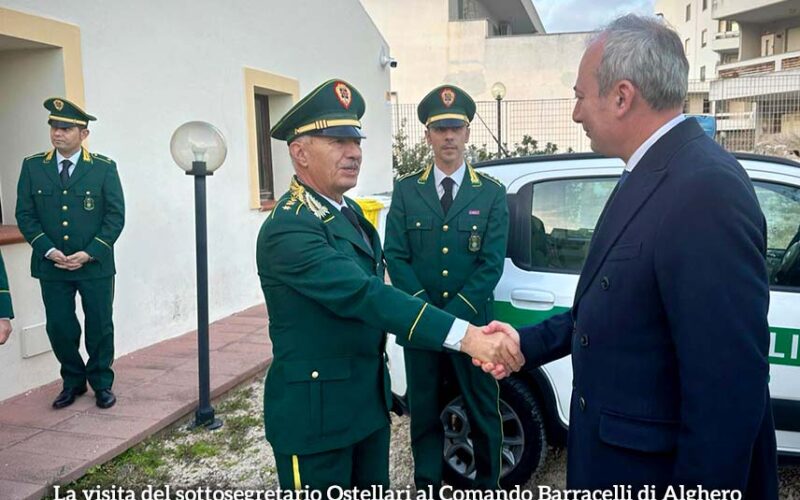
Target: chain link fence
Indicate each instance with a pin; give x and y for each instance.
(754, 113)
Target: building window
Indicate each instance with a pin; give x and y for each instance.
(689, 12)
(686, 46)
(268, 97)
(266, 184)
(702, 73)
(706, 106)
(705, 4)
(703, 38)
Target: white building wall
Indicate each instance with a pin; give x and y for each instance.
(148, 67)
(674, 12)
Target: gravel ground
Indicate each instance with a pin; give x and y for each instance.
(237, 456)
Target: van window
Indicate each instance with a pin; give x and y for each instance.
(781, 207)
(563, 217)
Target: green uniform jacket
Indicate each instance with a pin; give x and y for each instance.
(452, 261)
(88, 214)
(6, 311)
(329, 309)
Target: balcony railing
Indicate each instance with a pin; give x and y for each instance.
(760, 65)
(725, 41)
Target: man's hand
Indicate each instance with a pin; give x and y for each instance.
(5, 330)
(493, 349)
(58, 257)
(73, 262)
(498, 371)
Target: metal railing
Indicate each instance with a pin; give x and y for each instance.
(751, 112)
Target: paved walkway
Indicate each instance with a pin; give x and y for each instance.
(155, 387)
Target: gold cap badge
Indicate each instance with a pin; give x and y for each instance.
(58, 104)
(342, 92)
(448, 97)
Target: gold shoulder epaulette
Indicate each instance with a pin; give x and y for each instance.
(36, 155)
(102, 158)
(489, 177)
(415, 172)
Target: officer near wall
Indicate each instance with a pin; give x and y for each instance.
(70, 209)
(446, 237)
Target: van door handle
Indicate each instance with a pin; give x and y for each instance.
(538, 300)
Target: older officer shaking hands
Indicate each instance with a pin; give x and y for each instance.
(327, 394)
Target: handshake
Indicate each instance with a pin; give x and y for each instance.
(494, 348)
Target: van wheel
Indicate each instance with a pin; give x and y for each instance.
(524, 437)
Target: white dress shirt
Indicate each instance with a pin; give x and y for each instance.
(646, 145)
(457, 176)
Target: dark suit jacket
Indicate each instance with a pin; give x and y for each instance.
(668, 331)
(329, 309)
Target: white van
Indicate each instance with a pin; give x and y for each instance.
(554, 203)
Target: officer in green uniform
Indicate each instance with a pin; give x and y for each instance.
(327, 394)
(70, 209)
(6, 311)
(446, 239)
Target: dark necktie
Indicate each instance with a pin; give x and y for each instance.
(65, 164)
(350, 215)
(447, 197)
(625, 174)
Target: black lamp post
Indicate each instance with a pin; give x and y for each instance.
(499, 92)
(199, 149)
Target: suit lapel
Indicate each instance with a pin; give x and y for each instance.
(50, 168)
(426, 187)
(467, 191)
(82, 168)
(631, 197)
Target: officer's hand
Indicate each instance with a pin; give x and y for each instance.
(5, 330)
(498, 371)
(75, 261)
(496, 348)
(58, 257)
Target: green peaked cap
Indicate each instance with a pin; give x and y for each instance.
(446, 106)
(65, 114)
(333, 109)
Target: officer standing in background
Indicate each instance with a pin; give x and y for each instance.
(446, 237)
(6, 311)
(327, 393)
(71, 210)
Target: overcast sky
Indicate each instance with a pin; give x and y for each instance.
(586, 15)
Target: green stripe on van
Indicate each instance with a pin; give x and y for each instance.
(784, 343)
(516, 317)
(784, 346)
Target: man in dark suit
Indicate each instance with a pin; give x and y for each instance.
(71, 210)
(327, 394)
(446, 236)
(668, 329)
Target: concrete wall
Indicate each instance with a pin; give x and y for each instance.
(432, 51)
(148, 67)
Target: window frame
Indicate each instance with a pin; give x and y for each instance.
(754, 181)
(519, 244)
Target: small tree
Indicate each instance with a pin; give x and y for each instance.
(410, 158)
(405, 158)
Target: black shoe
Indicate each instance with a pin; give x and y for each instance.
(67, 396)
(105, 398)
